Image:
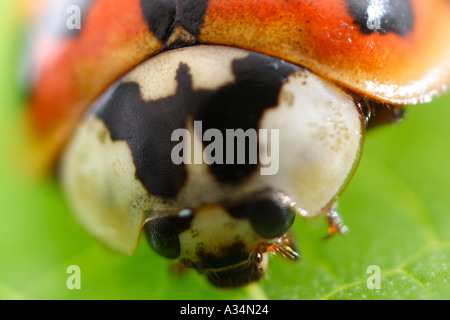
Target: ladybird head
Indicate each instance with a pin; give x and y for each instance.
(227, 242)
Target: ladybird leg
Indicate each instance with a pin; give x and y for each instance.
(179, 268)
(335, 224)
(285, 246)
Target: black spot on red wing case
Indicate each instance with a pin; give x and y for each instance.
(160, 16)
(147, 126)
(191, 14)
(163, 15)
(382, 16)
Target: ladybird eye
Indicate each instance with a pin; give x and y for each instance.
(163, 237)
(271, 219)
(270, 216)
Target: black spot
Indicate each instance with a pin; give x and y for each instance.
(162, 16)
(148, 126)
(191, 14)
(241, 105)
(382, 16)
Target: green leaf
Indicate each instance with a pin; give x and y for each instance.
(397, 209)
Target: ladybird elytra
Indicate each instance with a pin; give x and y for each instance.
(323, 36)
(127, 106)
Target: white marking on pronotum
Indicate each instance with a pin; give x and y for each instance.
(213, 153)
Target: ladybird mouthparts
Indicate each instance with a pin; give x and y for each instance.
(240, 273)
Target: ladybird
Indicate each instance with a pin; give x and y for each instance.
(209, 125)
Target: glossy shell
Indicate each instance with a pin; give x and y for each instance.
(396, 51)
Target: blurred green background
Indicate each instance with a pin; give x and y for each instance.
(397, 209)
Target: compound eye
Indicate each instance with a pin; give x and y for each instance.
(271, 219)
(271, 215)
(162, 234)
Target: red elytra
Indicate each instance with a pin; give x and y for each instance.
(320, 35)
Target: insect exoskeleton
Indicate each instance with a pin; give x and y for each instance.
(213, 151)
